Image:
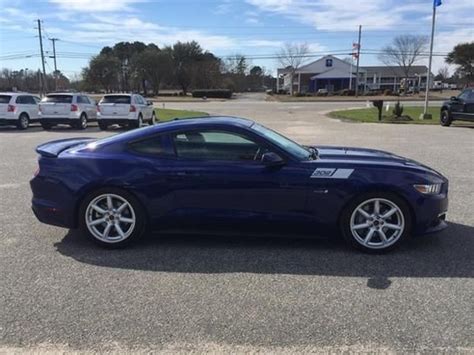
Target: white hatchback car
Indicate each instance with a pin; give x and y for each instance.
(67, 108)
(127, 110)
(18, 109)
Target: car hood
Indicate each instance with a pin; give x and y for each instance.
(368, 156)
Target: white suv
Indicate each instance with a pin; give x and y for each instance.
(68, 108)
(18, 109)
(127, 110)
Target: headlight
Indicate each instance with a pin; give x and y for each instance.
(432, 189)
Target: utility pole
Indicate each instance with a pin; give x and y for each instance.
(425, 114)
(55, 65)
(44, 83)
(358, 59)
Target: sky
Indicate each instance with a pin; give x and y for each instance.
(255, 28)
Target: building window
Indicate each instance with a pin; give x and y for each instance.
(329, 62)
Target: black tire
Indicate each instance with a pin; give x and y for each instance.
(23, 121)
(445, 118)
(103, 126)
(139, 226)
(398, 237)
(46, 126)
(153, 118)
(82, 124)
(138, 123)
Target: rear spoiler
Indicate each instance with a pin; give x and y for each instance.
(54, 148)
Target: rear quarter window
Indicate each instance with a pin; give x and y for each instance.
(151, 146)
(115, 99)
(62, 99)
(5, 99)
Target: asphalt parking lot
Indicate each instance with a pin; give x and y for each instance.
(60, 292)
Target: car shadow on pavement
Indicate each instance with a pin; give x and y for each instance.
(447, 254)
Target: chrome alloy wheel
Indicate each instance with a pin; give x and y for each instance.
(377, 223)
(110, 218)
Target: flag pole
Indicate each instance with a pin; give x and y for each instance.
(428, 74)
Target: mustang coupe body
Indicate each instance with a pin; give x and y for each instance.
(232, 174)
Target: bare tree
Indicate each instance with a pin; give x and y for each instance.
(443, 73)
(291, 56)
(404, 51)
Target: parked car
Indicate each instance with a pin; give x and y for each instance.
(18, 109)
(458, 108)
(127, 110)
(232, 174)
(74, 109)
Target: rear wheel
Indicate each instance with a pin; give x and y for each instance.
(82, 124)
(376, 222)
(23, 121)
(102, 125)
(138, 123)
(112, 217)
(445, 118)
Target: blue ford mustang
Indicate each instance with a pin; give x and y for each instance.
(226, 173)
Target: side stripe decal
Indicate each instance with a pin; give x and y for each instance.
(331, 173)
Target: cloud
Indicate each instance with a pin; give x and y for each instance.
(96, 5)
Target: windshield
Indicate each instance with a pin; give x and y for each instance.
(115, 99)
(284, 143)
(60, 99)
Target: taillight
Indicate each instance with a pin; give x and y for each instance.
(133, 108)
(73, 108)
(11, 108)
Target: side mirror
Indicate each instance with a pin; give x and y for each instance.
(272, 159)
(454, 98)
(149, 102)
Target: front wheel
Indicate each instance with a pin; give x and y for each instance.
(103, 126)
(112, 217)
(46, 126)
(376, 222)
(445, 118)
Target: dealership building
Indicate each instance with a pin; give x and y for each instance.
(333, 74)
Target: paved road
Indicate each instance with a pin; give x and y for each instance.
(58, 291)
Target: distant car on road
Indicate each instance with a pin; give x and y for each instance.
(218, 174)
(127, 110)
(18, 109)
(74, 109)
(458, 108)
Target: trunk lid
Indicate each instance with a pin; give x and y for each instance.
(54, 148)
(113, 109)
(56, 105)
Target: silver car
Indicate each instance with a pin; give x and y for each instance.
(127, 110)
(67, 108)
(18, 109)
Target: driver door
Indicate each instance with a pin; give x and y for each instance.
(220, 181)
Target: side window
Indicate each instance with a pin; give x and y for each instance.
(85, 100)
(154, 146)
(216, 145)
(20, 100)
(36, 99)
(30, 100)
(141, 100)
(79, 99)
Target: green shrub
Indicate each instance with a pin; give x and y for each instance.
(213, 93)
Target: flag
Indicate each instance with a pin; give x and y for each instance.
(436, 3)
